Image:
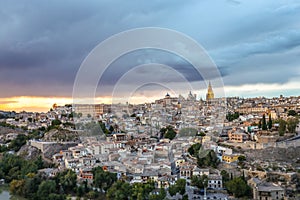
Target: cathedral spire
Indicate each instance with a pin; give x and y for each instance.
(210, 94)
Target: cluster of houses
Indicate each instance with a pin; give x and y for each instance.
(136, 147)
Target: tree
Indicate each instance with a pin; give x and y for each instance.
(31, 186)
(67, 179)
(92, 195)
(282, 127)
(292, 113)
(225, 176)
(178, 187)
(207, 158)
(111, 129)
(270, 123)
(102, 179)
(292, 123)
(133, 115)
(232, 116)
(119, 190)
(56, 122)
(141, 191)
(241, 158)
(259, 124)
(194, 149)
(17, 143)
(199, 181)
(238, 187)
(103, 128)
(162, 195)
(264, 123)
(170, 133)
(17, 187)
(79, 191)
(53, 196)
(46, 188)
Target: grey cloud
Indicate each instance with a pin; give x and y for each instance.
(273, 43)
(43, 44)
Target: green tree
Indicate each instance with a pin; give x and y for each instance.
(292, 123)
(111, 129)
(31, 186)
(92, 195)
(194, 149)
(120, 190)
(199, 181)
(103, 179)
(207, 158)
(67, 180)
(178, 187)
(103, 128)
(141, 191)
(46, 188)
(162, 195)
(259, 124)
(28, 167)
(241, 158)
(264, 123)
(53, 196)
(270, 123)
(225, 176)
(238, 187)
(17, 143)
(71, 115)
(292, 113)
(232, 116)
(56, 122)
(170, 133)
(282, 127)
(79, 191)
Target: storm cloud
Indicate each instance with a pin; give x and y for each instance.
(42, 44)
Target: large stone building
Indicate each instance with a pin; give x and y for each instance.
(265, 190)
(93, 110)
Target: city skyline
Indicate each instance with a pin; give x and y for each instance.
(254, 44)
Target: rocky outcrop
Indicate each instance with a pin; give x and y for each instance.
(29, 152)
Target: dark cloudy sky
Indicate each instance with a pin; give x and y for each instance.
(254, 43)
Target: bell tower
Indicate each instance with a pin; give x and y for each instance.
(210, 93)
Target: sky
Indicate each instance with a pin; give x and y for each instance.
(255, 44)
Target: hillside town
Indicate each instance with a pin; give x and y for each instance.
(219, 148)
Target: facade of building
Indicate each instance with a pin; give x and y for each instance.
(215, 181)
(265, 190)
(93, 110)
(237, 136)
(230, 158)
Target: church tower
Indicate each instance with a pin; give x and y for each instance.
(210, 94)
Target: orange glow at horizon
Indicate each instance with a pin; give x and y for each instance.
(36, 104)
(43, 104)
